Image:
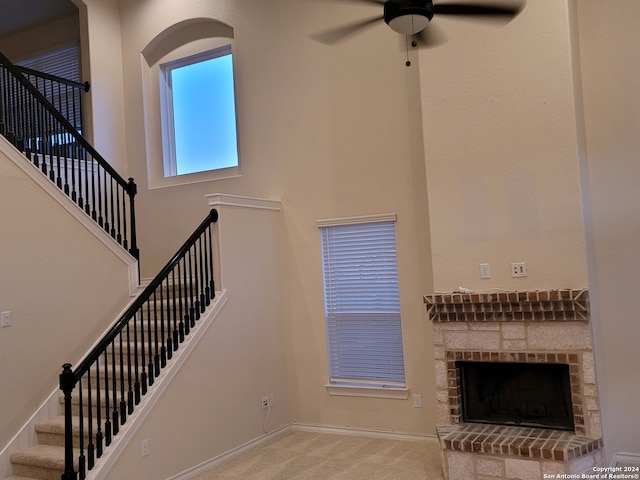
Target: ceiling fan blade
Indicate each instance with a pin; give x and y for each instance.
(431, 36)
(335, 35)
(378, 2)
(495, 10)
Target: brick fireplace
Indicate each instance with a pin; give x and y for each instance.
(520, 328)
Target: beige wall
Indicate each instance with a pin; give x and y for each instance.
(213, 404)
(56, 278)
(329, 131)
(609, 40)
(502, 154)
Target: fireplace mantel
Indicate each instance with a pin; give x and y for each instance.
(535, 306)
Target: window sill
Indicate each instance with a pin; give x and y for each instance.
(371, 392)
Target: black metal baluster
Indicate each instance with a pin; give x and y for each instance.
(91, 445)
(203, 299)
(136, 366)
(125, 239)
(130, 393)
(163, 346)
(188, 311)
(177, 314)
(108, 206)
(99, 195)
(115, 422)
(183, 294)
(146, 378)
(156, 343)
(99, 434)
(192, 299)
(123, 402)
(150, 369)
(206, 267)
(196, 280)
(107, 401)
(82, 467)
(118, 219)
(212, 282)
(172, 305)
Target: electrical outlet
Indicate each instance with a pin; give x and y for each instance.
(518, 269)
(485, 270)
(6, 319)
(417, 401)
(271, 400)
(144, 447)
(265, 402)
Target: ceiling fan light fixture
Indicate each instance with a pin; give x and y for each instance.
(409, 24)
(408, 17)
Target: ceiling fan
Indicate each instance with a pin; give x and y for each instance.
(411, 17)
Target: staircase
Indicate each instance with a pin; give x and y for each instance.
(101, 393)
(94, 416)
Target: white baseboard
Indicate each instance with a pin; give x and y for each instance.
(626, 458)
(228, 455)
(363, 432)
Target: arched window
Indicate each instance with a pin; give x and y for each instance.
(190, 104)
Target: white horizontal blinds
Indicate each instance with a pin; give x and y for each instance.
(362, 304)
(63, 62)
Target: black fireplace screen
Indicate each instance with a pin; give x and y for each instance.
(524, 394)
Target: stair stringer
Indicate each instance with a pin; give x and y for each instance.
(160, 384)
(20, 161)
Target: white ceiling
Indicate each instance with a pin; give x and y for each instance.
(18, 14)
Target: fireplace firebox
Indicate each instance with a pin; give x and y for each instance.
(522, 394)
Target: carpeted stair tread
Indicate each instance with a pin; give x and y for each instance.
(45, 456)
(19, 478)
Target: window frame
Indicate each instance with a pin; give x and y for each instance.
(360, 386)
(167, 125)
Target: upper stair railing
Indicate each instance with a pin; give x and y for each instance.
(65, 95)
(123, 365)
(54, 144)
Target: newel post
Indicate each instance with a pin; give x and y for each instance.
(67, 384)
(133, 190)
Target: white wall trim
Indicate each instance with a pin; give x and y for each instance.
(625, 458)
(135, 420)
(20, 161)
(228, 455)
(332, 222)
(224, 199)
(363, 432)
(371, 392)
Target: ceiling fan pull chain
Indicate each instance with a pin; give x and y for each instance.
(406, 45)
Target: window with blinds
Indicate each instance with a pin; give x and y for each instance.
(362, 302)
(63, 62)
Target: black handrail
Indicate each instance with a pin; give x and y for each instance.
(118, 371)
(64, 94)
(84, 86)
(54, 145)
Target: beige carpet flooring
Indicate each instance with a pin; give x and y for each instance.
(321, 456)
